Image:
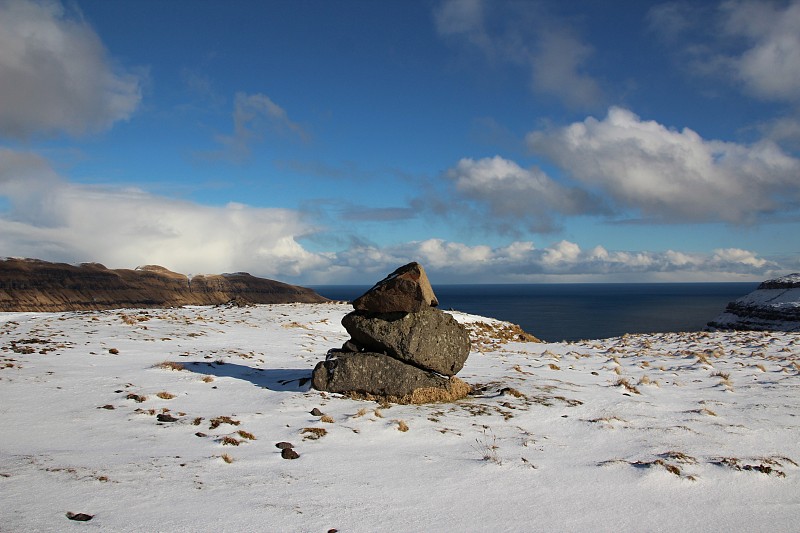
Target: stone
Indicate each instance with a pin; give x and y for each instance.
(430, 339)
(283, 445)
(406, 290)
(374, 374)
(289, 453)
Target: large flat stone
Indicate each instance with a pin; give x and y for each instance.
(430, 339)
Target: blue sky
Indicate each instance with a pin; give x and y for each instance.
(330, 142)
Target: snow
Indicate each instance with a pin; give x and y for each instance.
(641, 432)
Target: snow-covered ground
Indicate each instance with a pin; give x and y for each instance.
(658, 432)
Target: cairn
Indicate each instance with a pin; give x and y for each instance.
(402, 348)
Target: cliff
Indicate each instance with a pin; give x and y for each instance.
(774, 306)
(34, 285)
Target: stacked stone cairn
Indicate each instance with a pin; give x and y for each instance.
(402, 348)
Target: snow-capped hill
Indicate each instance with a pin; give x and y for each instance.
(774, 306)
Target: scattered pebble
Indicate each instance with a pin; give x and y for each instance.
(80, 517)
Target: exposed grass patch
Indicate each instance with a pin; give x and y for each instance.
(227, 458)
(170, 365)
(401, 425)
(229, 441)
(218, 421)
(246, 435)
(208, 378)
(164, 395)
(328, 419)
(313, 433)
(623, 382)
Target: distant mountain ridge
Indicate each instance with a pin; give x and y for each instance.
(773, 306)
(36, 285)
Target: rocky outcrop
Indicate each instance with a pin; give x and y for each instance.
(34, 285)
(773, 306)
(407, 353)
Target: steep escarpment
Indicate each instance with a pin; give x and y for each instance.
(773, 306)
(34, 285)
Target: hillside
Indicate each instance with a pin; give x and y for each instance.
(169, 420)
(773, 306)
(34, 285)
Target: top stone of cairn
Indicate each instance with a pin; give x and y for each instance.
(406, 290)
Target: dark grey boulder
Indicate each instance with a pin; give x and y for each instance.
(372, 373)
(430, 339)
(406, 290)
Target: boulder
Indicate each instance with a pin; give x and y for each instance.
(406, 290)
(429, 339)
(374, 374)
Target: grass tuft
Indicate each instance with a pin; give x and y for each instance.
(218, 421)
(401, 425)
(227, 458)
(622, 382)
(313, 433)
(170, 365)
(328, 419)
(164, 395)
(246, 435)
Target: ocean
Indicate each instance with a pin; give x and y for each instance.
(574, 311)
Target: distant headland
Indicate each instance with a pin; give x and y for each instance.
(36, 285)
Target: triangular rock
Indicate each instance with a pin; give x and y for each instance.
(406, 290)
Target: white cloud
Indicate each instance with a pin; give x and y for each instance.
(770, 66)
(752, 42)
(525, 34)
(669, 175)
(253, 116)
(521, 262)
(51, 218)
(511, 193)
(55, 74)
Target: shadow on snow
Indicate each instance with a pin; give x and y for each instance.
(275, 379)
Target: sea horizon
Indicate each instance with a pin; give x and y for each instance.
(573, 311)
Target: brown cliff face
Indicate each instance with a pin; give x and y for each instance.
(33, 285)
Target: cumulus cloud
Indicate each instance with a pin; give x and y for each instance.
(524, 34)
(516, 196)
(669, 175)
(55, 74)
(51, 218)
(253, 116)
(522, 262)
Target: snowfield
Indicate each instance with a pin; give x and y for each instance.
(661, 432)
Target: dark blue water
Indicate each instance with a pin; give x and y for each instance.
(556, 312)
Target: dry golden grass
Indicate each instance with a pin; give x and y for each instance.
(455, 389)
(170, 365)
(328, 419)
(229, 441)
(361, 412)
(216, 422)
(208, 379)
(622, 382)
(164, 395)
(246, 435)
(554, 366)
(227, 458)
(313, 433)
(401, 425)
